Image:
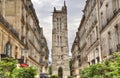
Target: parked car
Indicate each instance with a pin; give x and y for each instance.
(44, 75)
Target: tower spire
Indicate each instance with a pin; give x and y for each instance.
(54, 9)
(64, 3)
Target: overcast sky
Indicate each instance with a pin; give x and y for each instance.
(44, 9)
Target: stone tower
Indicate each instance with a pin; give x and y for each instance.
(60, 58)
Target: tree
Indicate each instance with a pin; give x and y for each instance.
(54, 76)
(69, 77)
(50, 70)
(29, 72)
(109, 68)
(8, 69)
(7, 65)
(70, 66)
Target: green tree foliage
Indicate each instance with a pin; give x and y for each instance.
(70, 65)
(8, 69)
(109, 68)
(29, 72)
(50, 70)
(7, 65)
(69, 77)
(54, 76)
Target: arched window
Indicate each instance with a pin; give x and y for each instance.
(8, 49)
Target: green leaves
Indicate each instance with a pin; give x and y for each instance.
(8, 69)
(50, 70)
(29, 72)
(69, 76)
(54, 76)
(109, 68)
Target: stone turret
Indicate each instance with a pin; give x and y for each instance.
(64, 8)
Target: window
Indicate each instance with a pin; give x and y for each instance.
(16, 53)
(60, 25)
(22, 32)
(60, 40)
(8, 49)
(22, 16)
(109, 42)
(107, 12)
(0, 6)
(94, 36)
(26, 38)
(102, 20)
(117, 33)
(101, 2)
(93, 61)
(96, 32)
(57, 27)
(91, 40)
(57, 40)
(115, 5)
(98, 59)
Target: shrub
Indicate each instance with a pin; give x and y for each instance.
(8, 69)
(109, 68)
(54, 76)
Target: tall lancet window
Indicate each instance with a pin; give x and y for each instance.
(60, 40)
(57, 24)
(60, 25)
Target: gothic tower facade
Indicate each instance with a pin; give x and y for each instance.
(60, 58)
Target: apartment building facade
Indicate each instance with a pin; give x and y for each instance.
(99, 31)
(44, 54)
(20, 32)
(75, 56)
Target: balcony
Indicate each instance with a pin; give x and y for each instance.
(8, 26)
(4, 56)
(20, 60)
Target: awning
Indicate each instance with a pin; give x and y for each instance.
(24, 65)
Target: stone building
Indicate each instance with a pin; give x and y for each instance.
(99, 31)
(20, 32)
(75, 56)
(109, 26)
(44, 54)
(91, 16)
(60, 58)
